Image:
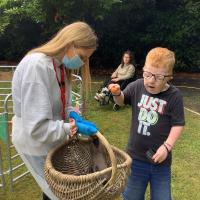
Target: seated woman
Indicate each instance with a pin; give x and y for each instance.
(123, 75)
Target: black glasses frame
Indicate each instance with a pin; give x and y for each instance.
(159, 77)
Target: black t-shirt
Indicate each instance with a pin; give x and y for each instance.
(153, 115)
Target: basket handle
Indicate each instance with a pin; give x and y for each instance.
(111, 154)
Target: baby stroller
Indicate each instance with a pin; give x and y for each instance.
(104, 96)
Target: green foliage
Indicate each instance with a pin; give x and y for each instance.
(45, 17)
(20, 10)
(41, 11)
(138, 25)
(178, 28)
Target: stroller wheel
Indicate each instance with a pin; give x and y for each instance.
(106, 99)
(116, 107)
(101, 103)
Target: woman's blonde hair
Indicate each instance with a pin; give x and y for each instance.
(79, 34)
(161, 58)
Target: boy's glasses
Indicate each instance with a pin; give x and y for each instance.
(158, 77)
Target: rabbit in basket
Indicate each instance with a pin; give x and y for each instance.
(99, 157)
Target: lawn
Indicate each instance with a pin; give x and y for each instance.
(115, 127)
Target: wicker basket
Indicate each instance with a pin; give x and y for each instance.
(72, 174)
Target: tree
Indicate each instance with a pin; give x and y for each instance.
(177, 26)
(41, 19)
(137, 25)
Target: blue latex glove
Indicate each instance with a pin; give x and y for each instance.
(85, 127)
(74, 115)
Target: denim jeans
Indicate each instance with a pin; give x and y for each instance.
(143, 173)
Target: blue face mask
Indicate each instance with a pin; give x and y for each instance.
(72, 63)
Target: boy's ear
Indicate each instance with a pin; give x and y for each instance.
(170, 78)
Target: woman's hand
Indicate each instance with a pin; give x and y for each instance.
(115, 79)
(160, 155)
(73, 128)
(114, 75)
(82, 126)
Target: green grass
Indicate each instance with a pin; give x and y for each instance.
(185, 170)
(115, 126)
(191, 98)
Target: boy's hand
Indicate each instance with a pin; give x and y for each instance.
(114, 88)
(160, 155)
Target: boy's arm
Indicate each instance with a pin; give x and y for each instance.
(177, 120)
(164, 149)
(119, 100)
(174, 135)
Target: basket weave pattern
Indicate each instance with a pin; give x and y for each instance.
(70, 173)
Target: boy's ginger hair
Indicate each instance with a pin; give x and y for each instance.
(161, 58)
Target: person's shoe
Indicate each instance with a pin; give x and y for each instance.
(116, 107)
(96, 97)
(102, 96)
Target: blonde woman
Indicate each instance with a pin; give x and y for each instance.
(41, 96)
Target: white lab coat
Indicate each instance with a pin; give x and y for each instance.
(37, 124)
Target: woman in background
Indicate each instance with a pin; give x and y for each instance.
(123, 75)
